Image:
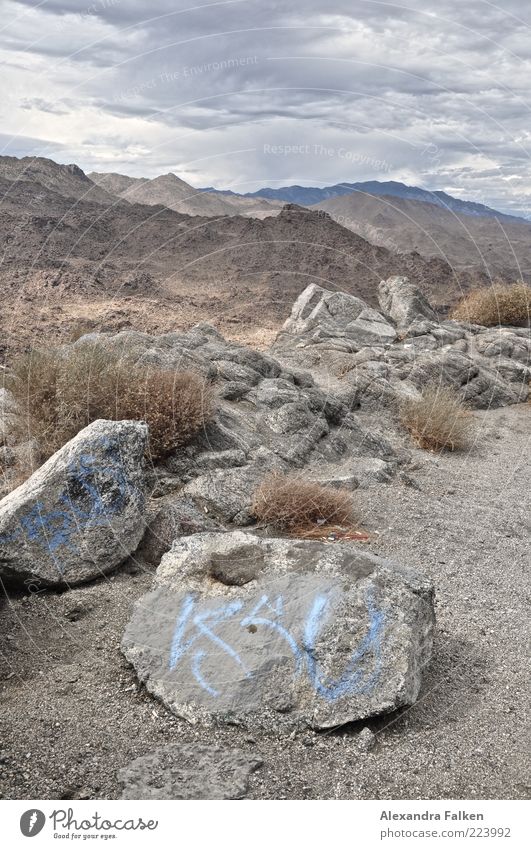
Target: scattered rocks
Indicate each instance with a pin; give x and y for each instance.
(189, 771)
(280, 633)
(81, 513)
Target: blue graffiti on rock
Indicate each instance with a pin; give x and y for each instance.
(194, 627)
(95, 491)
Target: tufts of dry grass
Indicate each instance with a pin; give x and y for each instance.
(438, 419)
(57, 393)
(290, 503)
(495, 305)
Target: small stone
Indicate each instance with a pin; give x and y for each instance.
(366, 740)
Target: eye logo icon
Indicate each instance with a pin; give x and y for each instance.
(32, 822)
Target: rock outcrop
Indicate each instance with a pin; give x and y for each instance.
(403, 302)
(490, 367)
(280, 633)
(338, 320)
(268, 417)
(81, 513)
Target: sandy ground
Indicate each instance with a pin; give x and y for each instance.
(71, 713)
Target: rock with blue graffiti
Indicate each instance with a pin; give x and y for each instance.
(280, 633)
(81, 513)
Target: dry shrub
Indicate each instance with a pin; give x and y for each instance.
(495, 305)
(290, 503)
(57, 393)
(438, 419)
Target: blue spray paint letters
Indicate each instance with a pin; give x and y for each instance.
(360, 675)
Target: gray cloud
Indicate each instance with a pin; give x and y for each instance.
(425, 91)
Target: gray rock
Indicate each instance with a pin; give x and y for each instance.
(280, 633)
(372, 470)
(404, 302)
(366, 740)
(81, 513)
(220, 459)
(175, 517)
(505, 343)
(189, 771)
(335, 319)
(225, 492)
(7, 413)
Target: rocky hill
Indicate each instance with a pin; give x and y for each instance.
(169, 190)
(67, 180)
(500, 246)
(313, 196)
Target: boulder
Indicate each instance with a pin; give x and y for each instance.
(280, 633)
(81, 513)
(189, 771)
(404, 302)
(335, 320)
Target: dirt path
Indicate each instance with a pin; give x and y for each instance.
(71, 713)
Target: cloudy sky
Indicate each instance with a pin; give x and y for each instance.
(247, 93)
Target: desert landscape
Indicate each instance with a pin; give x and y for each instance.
(264, 428)
(318, 442)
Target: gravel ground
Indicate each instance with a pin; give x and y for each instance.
(71, 713)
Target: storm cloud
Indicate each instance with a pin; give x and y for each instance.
(246, 93)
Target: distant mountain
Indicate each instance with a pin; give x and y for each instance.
(310, 196)
(169, 190)
(499, 247)
(125, 265)
(67, 180)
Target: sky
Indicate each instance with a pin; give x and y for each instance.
(248, 93)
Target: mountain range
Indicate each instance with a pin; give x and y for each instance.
(312, 196)
(74, 252)
(400, 218)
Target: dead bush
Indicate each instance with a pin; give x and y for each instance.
(438, 419)
(57, 393)
(174, 404)
(495, 305)
(290, 503)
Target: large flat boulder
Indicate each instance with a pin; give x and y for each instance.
(81, 513)
(280, 632)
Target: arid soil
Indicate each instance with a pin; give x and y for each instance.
(72, 713)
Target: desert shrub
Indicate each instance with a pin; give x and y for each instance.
(438, 419)
(174, 404)
(289, 502)
(495, 305)
(58, 392)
